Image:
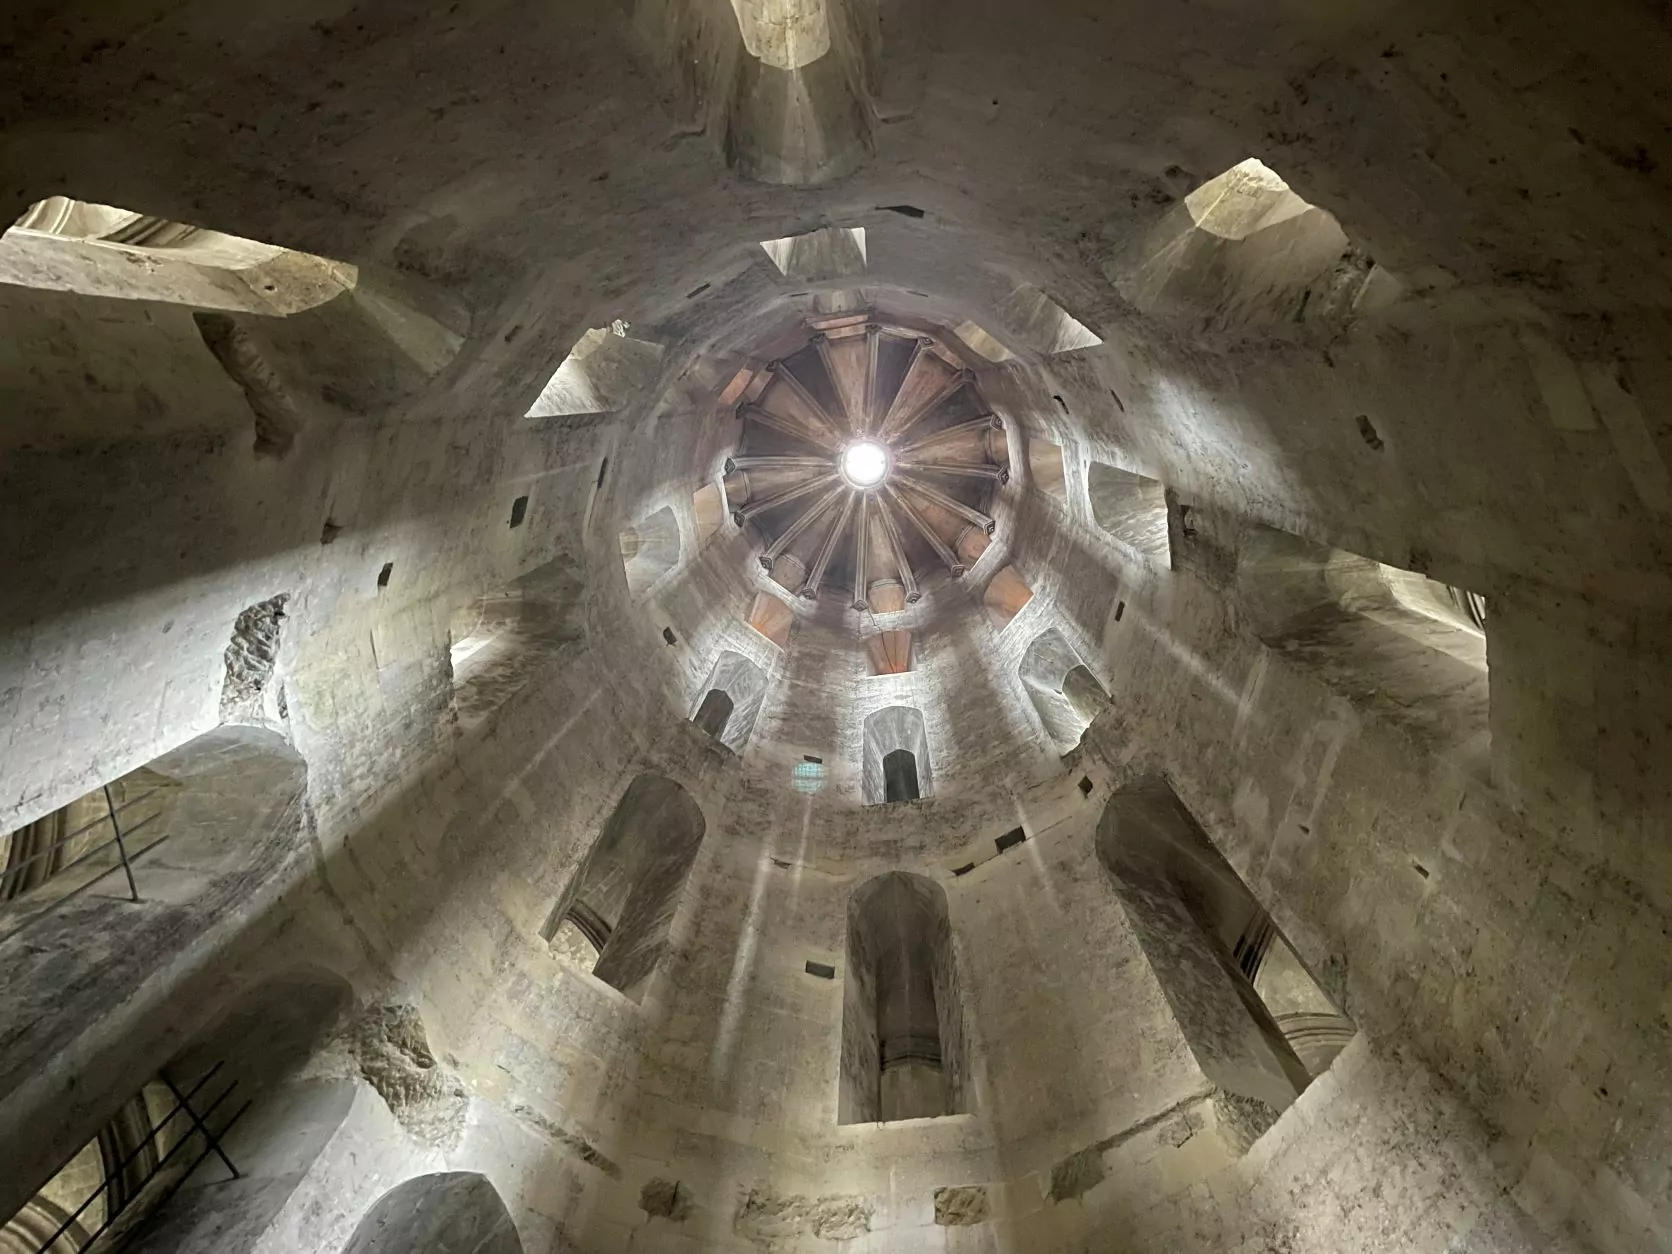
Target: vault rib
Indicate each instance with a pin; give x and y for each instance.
(756, 508)
(861, 551)
(891, 530)
(789, 426)
(927, 532)
(966, 512)
(987, 422)
(804, 520)
(815, 577)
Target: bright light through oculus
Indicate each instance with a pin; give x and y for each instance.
(865, 464)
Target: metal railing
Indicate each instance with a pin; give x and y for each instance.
(124, 862)
(113, 1186)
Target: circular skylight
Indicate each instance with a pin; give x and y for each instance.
(865, 463)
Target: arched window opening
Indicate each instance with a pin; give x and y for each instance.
(605, 370)
(1006, 594)
(116, 1180)
(1064, 692)
(57, 857)
(731, 700)
(1130, 507)
(902, 1013)
(1395, 643)
(99, 250)
(226, 825)
(1046, 469)
(1244, 249)
(708, 507)
(896, 762)
(152, 1163)
(438, 1214)
(1258, 1023)
(621, 903)
(714, 713)
(650, 549)
(499, 642)
(899, 776)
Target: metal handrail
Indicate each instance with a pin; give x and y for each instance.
(128, 861)
(151, 1134)
(14, 868)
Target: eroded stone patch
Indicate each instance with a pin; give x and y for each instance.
(664, 1199)
(392, 1051)
(1079, 1173)
(961, 1205)
(765, 1217)
(251, 658)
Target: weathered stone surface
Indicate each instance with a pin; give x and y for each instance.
(1395, 285)
(766, 1217)
(392, 1050)
(1076, 1174)
(961, 1205)
(454, 1213)
(251, 658)
(664, 1199)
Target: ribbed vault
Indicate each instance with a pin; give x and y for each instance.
(862, 382)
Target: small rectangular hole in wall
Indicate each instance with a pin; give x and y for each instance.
(781, 864)
(519, 511)
(963, 870)
(667, 634)
(603, 469)
(1120, 608)
(383, 575)
(1085, 785)
(1011, 839)
(821, 969)
(807, 757)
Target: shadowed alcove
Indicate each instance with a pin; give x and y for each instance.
(902, 1015)
(615, 917)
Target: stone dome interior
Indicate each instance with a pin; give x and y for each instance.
(828, 626)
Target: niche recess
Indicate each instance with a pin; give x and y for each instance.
(1043, 324)
(1045, 468)
(772, 618)
(498, 642)
(889, 652)
(602, 373)
(650, 549)
(1245, 249)
(708, 507)
(427, 1213)
(1258, 1023)
(831, 253)
(902, 1016)
(1005, 596)
(896, 757)
(1401, 646)
(1064, 692)
(616, 916)
(1130, 507)
(731, 700)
